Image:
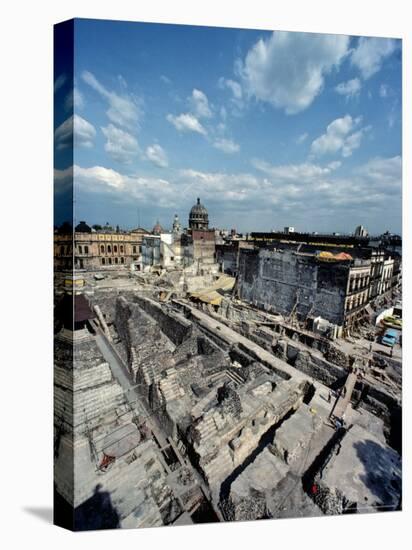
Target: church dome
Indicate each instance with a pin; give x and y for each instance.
(82, 227)
(157, 229)
(198, 217)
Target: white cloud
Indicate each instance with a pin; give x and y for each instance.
(237, 93)
(74, 131)
(156, 154)
(351, 143)
(228, 187)
(165, 79)
(226, 145)
(84, 132)
(350, 89)
(107, 181)
(334, 165)
(122, 81)
(74, 100)
(385, 173)
(63, 135)
(221, 128)
(288, 69)
(394, 114)
(120, 145)
(124, 110)
(384, 90)
(100, 177)
(59, 82)
(370, 53)
(63, 180)
(78, 100)
(339, 137)
(232, 85)
(303, 137)
(306, 187)
(200, 104)
(235, 87)
(305, 172)
(186, 122)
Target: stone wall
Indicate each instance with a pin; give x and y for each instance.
(203, 245)
(227, 256)
(285, 282)
(319, 369)
(172, 324)
(122, 315)
(332, 370)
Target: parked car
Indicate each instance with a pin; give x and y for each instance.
(390, 337)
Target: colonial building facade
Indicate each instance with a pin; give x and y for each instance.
(96, 250)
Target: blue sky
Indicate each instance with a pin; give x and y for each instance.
(267, 128)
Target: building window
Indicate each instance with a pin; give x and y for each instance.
(80, 250)
(109, 248)
(110, 260)
(86, 249)
(102, 249)
(121, 249)
(116, 260)
(134, 250)
(122, 260)
(103, 261)
(62, 251)
(115, 248)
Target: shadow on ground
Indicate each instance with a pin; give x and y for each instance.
(42, 513)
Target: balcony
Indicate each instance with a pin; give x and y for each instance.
(355, 310)
(358, 290)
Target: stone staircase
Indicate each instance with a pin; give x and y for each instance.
(218, 469)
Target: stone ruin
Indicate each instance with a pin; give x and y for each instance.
(233, 426)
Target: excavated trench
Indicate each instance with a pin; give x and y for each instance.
(371, 398)
(265, 440)
(321, 461)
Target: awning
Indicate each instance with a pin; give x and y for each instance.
(211, 294)
(213, 298)
(330, 257)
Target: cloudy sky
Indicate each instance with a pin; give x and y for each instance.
(267, 128)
